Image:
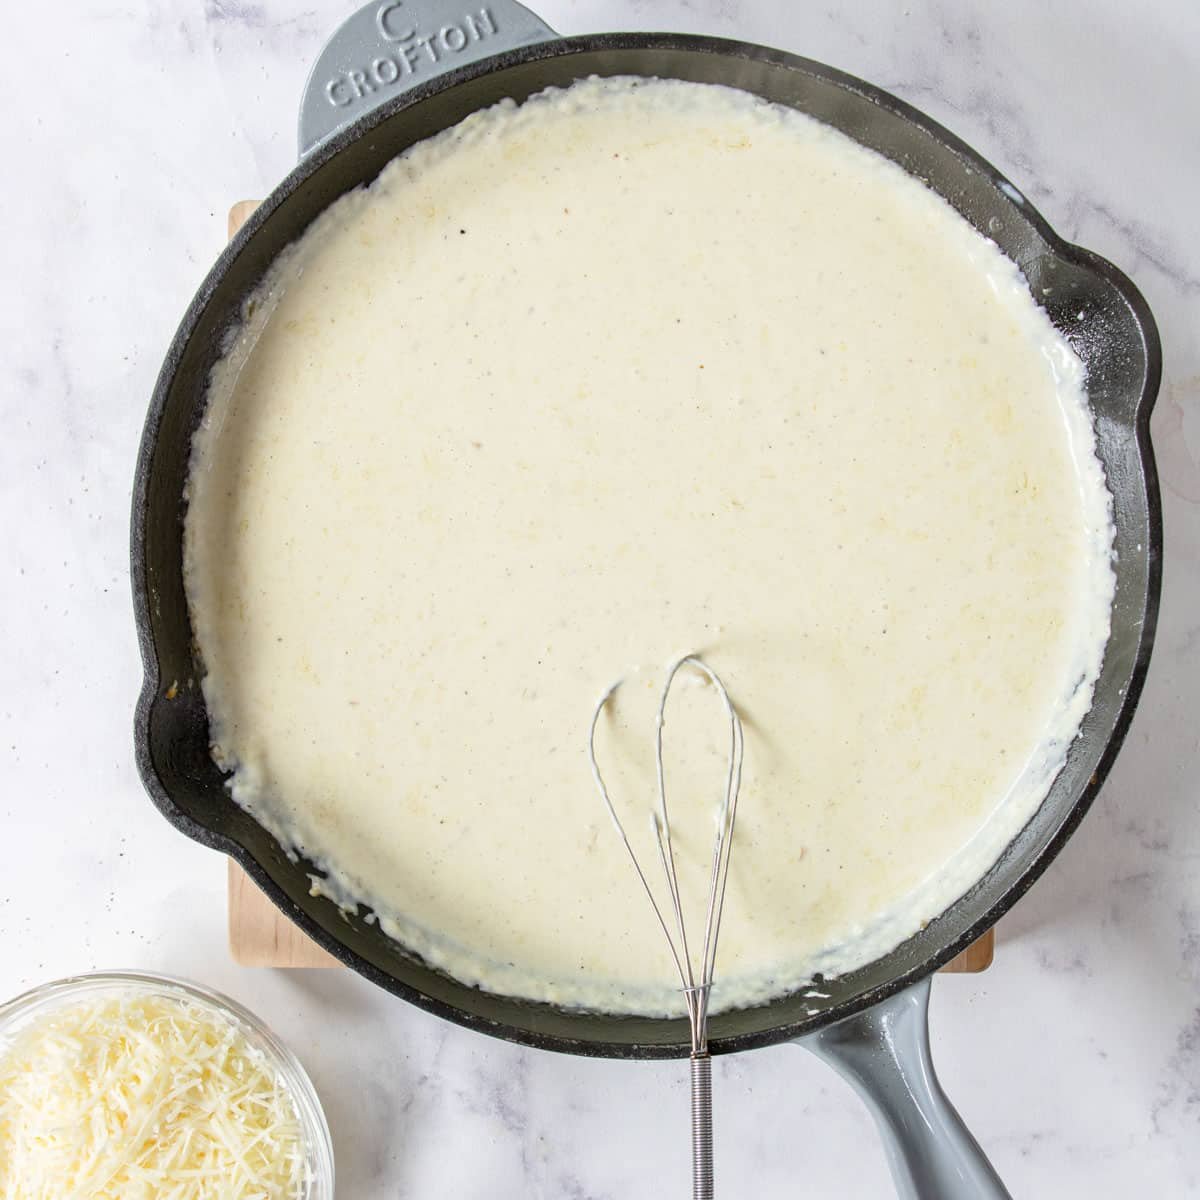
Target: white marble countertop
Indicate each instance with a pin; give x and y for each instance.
(130, 128)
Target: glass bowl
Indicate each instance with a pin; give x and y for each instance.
(318, 1145)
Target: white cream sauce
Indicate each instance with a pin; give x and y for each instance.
(631, 370)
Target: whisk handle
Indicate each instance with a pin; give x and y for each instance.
(702, 1139)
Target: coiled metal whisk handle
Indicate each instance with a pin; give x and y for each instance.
(702, 1134)
(695, 971)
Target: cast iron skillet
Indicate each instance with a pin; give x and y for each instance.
(1095, 305)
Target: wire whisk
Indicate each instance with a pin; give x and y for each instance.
(696, 977)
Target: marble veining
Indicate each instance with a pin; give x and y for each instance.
(133, 126)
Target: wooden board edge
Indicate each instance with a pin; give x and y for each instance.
(239, 214)
(261, 936)
(975, 958)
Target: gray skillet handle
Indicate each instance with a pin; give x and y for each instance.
(883, 1054)
(390, 46)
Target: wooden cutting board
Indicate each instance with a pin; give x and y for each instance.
(261, 936)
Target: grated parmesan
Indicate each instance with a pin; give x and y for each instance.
(144, 1097)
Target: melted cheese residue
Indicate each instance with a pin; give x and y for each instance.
(144, 1097)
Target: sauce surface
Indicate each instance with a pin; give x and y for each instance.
(631, 370)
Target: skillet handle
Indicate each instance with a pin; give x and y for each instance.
(883, 1053)
(389, 47)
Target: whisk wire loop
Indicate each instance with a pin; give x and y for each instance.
(696, 979)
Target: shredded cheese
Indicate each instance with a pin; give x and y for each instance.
(144, 1097)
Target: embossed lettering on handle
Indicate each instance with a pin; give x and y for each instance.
(389, 46)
